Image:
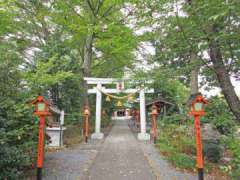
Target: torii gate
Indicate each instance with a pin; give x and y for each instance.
(96, 90)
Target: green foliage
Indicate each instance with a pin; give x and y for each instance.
(176, 141)
(175, 118)
(18, 138)
(178, 147)
(166, 84)
(233, 144)
(218, 113)
(182, 161)
(212, 151)
(42, 75)
(42, 47)
(106, 121)
(183, 32)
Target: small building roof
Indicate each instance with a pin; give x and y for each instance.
(160, 101)
(54, 109)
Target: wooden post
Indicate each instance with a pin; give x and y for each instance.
(154, 122)
(40, 147)
(199, 147)
(86, 122)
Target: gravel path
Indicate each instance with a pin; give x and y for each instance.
(118, 157)
(70, 164)
(121, 157)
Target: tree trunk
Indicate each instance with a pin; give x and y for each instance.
(193, 79)
(87, 65)
(194, 76)
(194, 73)
(224, 78)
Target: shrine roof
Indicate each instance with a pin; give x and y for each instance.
(160, 101)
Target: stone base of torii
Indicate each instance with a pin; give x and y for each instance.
(99, 82)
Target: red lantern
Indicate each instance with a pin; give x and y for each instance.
(86, 111)
(41, 110)
(197, 110)
(197, 106)
(41, 106)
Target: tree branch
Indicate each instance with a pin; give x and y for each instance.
(189, 43)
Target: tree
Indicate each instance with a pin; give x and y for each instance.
(207, 29)
(91, 25)
(17, 126)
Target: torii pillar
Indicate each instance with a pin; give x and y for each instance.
(143, 135)
(97, 134)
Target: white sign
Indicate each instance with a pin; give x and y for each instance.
(120, 86)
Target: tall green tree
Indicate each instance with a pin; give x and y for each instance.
(17, 126)
(209, 30)
(97, 30)
(81, 37)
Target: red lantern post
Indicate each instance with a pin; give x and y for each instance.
(86, 114)
(154, 122)
(197, 110)
(41, 110)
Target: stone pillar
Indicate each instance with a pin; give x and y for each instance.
(98, 134)
(143, 135)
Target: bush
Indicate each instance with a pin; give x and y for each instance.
(174, 119)
(18, 139)
(233, 145)
(178, 147)
(219, 114)
(212, 151)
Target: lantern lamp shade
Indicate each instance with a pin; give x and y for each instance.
(86, 112)
(41, 106)
(154, 111)
(198, 106)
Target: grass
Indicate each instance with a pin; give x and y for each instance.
(178, 146)
(179, 160)
(72, 135)
(182, 161)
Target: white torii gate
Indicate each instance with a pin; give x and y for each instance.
(96, 90)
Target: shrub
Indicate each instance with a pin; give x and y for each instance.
(177, 145)
(233, 145)
(219, 114)
(174, 119)
(18, 139)
(212, 151)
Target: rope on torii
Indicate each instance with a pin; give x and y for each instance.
(119, 97)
